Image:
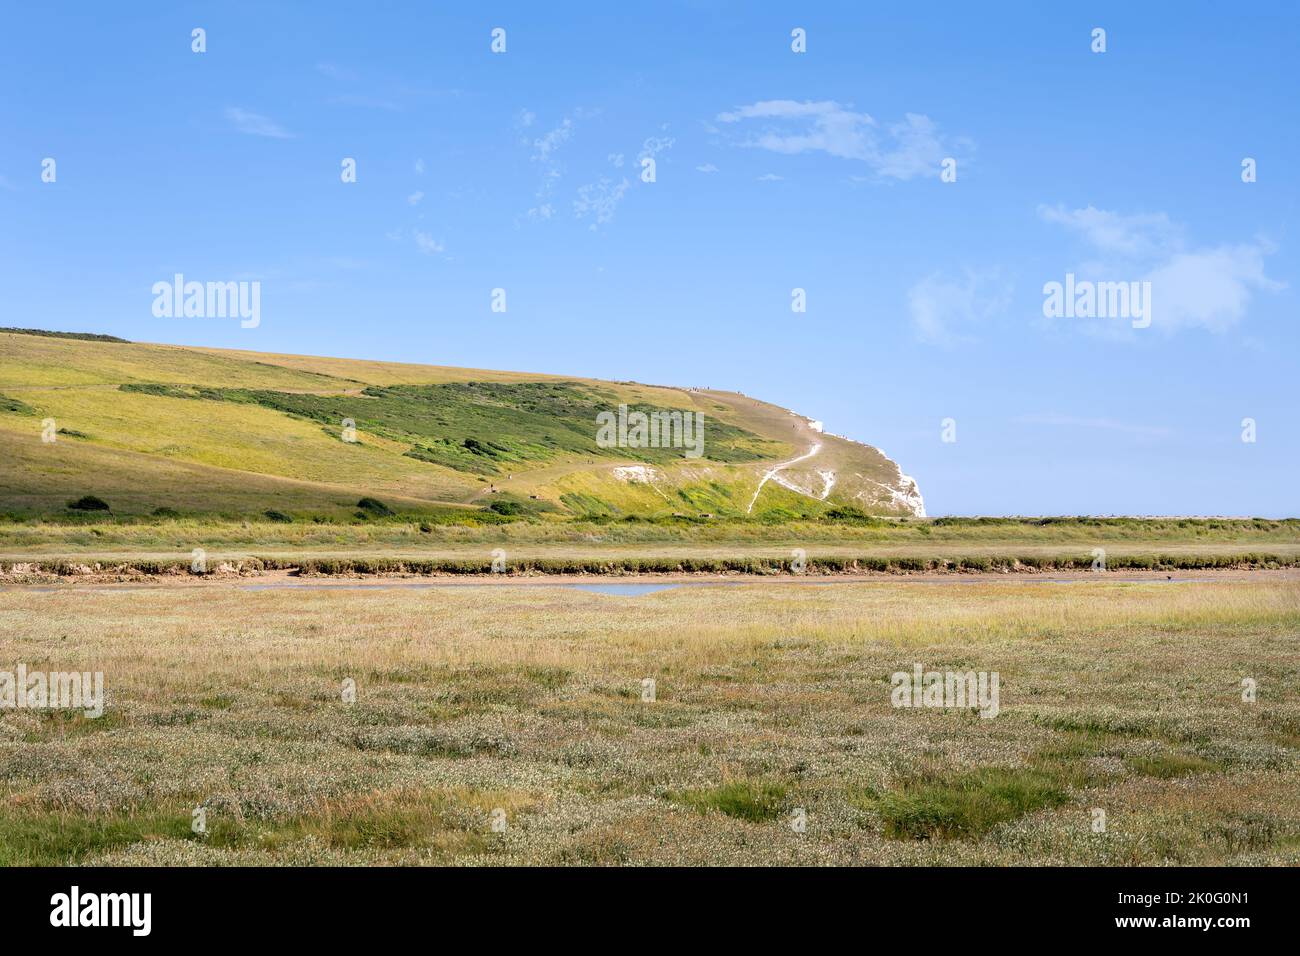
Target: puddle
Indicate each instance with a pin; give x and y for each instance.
(624, 590)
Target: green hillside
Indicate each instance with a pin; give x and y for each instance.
(210, 432)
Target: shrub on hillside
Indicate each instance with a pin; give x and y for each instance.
(852, 515)
(277, 516)
(14, 405)
(88, 503)
(373, 506)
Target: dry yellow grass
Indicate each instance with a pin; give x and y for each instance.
(769, 699)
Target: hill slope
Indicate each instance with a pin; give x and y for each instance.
(215, 431)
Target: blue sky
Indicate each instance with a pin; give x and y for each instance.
(774, 170)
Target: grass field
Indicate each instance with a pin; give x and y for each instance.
(525, 706)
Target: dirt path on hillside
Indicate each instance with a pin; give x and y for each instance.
(773, 472)
(801, 433)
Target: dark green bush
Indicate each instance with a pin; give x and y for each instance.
(89, 503)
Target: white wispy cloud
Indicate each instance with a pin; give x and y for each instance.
(546, 145)
(415, 197)
(544, 153)
(429, 245)
(909, 148)
(1210, 288)
(1140, 234)
(599, 200)
(947, 311)
(654, 145)
(1207, 287)
(912, 149)
(706, 168)
(768, 178)
(254, 124)
(419, 167)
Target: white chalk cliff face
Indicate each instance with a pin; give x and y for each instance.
(905, 495)
(910, 495)
(882, 490)
(837, 469)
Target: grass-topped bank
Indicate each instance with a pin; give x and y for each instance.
(376, 526)
(378, 540)
(498, 565)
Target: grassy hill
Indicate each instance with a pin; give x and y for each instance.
(209, 432)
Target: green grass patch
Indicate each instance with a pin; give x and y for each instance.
(756, 802)
(477, 427)
(61, 724)
(8, 404)
(1171, 765)
(965, 805)
(60, 839)
(391, 820)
